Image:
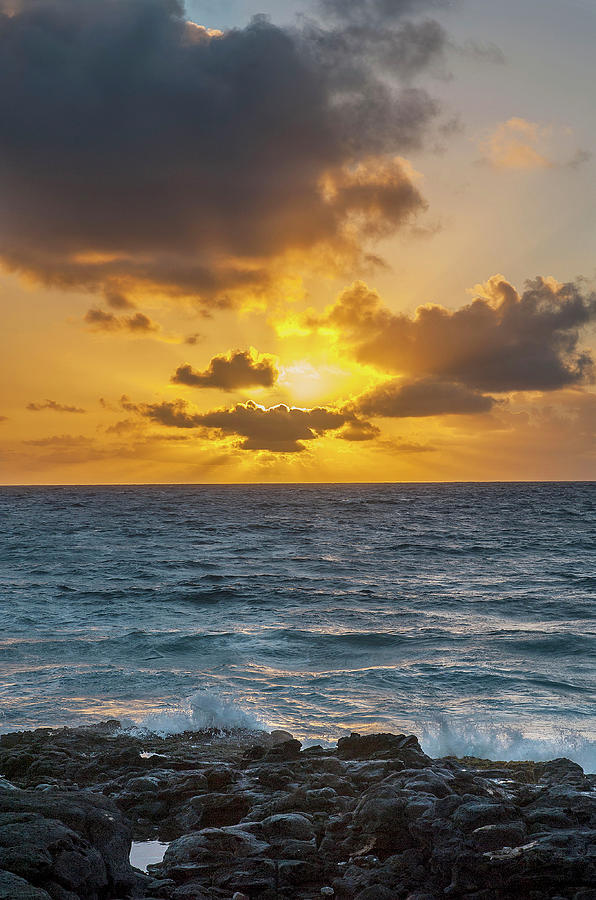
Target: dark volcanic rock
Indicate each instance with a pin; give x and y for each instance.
(254, 815)
(495, 837)
(12, 887)
(285, 750)
(382, 746)
(282, 827)
(70, 845)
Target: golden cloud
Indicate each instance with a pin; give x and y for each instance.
(520, 144)
(238, 369)
(502, 341)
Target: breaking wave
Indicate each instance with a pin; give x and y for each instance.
(200, 712)
(208, 711)
(505, 742)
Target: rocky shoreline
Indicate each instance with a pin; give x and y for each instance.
(253, 815)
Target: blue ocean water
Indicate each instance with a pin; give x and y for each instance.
(462, 612)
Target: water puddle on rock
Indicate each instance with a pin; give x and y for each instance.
(146, 853)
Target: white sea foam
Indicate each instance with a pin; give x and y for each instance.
(443, 737)
(200, 711)
(492, 741)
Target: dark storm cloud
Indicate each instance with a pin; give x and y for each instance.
(138, 323)
(379, 12)
(123, 426)
(117, 300)
(237, 370)
(137, 148)
(376, 30)
(172, 413)
(421, 398)
(502, 341)
(404, 51)
(358, 430)
(101, 320)
(278, 429)
(54, 407)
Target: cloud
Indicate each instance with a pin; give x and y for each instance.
(138, 323)
(54, 406)
(486, 52)
(60, 440)
(3, 418)
(62, 449)
(123, 426)
(358, 430)
(408, 446)
(520, 144)
(239, 369)
(379, 12)
(579, 158)
(513, 145)
(375, 196)
(377, 28)
(403, 50)
(69, 449)
(173, 413)
(141, 152)
(278, 429)
(503, 341)
(420, 398)
(117, 300)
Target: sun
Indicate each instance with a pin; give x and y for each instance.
(303, 381)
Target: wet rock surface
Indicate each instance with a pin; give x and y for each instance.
(252, 815)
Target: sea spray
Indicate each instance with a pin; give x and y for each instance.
(200, 712)
(490, 740)
(441, 737)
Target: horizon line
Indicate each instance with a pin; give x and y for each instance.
(289, 483)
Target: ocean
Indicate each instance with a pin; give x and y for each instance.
(461, 612)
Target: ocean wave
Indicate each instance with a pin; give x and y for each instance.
(201, 711)
(505, 742)
(440, 737)
(372, 606)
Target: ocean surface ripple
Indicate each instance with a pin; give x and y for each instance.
(463, 612)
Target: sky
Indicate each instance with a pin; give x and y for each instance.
(318, 241)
